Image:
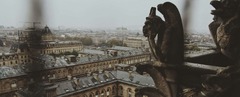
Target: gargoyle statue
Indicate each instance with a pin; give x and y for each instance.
(166, 42)
(167, 49)
(225, 29)
(169, 46)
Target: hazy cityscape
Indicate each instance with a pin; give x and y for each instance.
(41, 60)
(74, 61)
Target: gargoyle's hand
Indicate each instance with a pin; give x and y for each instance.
(148, 28)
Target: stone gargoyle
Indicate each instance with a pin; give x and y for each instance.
(175, 79)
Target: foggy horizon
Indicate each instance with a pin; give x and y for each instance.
(94, 14)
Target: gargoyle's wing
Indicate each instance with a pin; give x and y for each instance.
(173, 40)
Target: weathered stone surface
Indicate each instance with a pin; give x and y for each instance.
(166, 42)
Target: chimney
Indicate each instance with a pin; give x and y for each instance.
(89, 74)
(131, 77)
(106, 73)
(89, 58)
(73, 58)
(95, 75)
(115, 53)
(100, 71)
(75, 80)
(69, 77)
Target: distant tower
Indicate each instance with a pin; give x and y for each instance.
(24, 34)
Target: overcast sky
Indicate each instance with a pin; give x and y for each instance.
(103, 14)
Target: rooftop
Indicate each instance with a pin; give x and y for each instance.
(91, 51)
(122, 65)
(122, 48)
(6, 72)
(51, 62)
(96, 80)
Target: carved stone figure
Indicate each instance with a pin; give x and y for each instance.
(167, 49)
(169, 33)
(226, 26)
(225, 30)
(166, 43)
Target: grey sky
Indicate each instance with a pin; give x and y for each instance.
(105, 14)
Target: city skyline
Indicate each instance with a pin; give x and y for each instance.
(107, 14)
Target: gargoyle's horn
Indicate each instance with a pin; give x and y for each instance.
(152, 11)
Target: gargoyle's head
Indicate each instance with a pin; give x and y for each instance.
(153, 24)
(225, 8)
(165, 7)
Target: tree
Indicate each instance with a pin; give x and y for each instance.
(102, 43)
(87, 41)
(115, 42)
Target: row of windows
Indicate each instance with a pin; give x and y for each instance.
(15, 57)
(63, 45)
(59, 50)
(9, 85)
(62, 73)
(110, 92)
(86, 68)
(14, 62)
(9, 57)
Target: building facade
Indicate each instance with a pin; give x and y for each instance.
(136, 42)
(43, 64)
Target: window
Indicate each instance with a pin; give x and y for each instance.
(102, 93)
(91, 95)
(108, 91)
(113, 90)
(84, 95)
(120, 90)
(14, 85)
(97, 93)
(129, 92)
